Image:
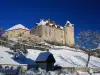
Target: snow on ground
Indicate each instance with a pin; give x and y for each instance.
(86, 73)
(43, 72)
(5, 57)
(68, 57)
(64, 56)
(83, 73)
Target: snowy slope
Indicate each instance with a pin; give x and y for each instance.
(5, 57)
(73, 58)
(68, 58)
(18, 26)
(64, 56)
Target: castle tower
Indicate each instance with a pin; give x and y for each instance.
(69, 34)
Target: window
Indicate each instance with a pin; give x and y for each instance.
(28, 37)
(11, 35)
(49, 31)
(46, 31)
(61, 36)
(66, 32)
(20, 35)
(58, 26)
(62, 41)
(40, 36)
(38, 29)
(53, 25)
(47, 24)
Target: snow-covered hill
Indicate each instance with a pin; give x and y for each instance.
(64, 56)
(68, 57)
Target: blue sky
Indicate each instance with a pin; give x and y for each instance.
(84, 14)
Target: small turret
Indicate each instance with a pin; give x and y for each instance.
(69, 24)
(69, 34)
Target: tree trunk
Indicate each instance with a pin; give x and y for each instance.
(88, 60)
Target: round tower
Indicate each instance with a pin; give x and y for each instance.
(69, 34)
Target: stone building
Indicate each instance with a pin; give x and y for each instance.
(16, 31)
(54, 33)
(46, 30)
(20, 32)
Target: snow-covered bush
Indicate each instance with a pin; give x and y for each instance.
(2, 74)
(33, 71)
(40, 71)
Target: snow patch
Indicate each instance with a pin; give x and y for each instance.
(18, 26)
(42, 22)
(68, 22)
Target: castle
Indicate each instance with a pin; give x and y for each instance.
(46, 30)
(54, 33)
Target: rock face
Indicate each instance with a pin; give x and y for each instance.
(30, 37)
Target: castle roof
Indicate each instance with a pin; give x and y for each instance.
(68, 23)
(44, 22)
(18, 26)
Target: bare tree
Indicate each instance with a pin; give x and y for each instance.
(88, 40)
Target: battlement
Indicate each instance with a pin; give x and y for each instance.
(52, 32)
(50, 24)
